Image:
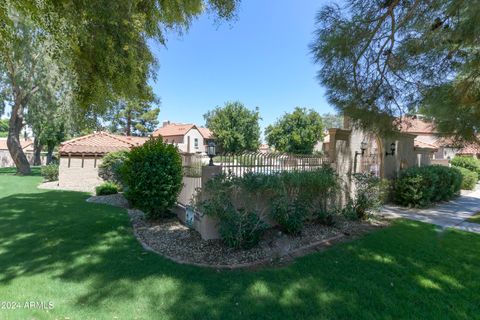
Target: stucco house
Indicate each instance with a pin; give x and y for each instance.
(5, 157)
(189, 138)
(427, 135)
(80, 157)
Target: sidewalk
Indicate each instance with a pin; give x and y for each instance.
(450, 214)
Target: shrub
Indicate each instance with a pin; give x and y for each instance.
(152, 175)
(106, 188)
(469, 178)
(241, 229)
(290, 215)
(50, 172)
(241, 204)
(235, 203)
(371, 193)
(469, 163)
(421, 186)
(109, 169)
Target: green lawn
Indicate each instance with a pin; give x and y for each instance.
(475, 218)
(82, 257)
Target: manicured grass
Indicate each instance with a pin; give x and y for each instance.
(475, 218)
(82, 257)
(13, 170)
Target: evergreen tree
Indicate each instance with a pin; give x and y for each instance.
(383, 59)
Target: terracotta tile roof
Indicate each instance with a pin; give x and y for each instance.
(173, 129)
(423, 145)
(414, 124)
(99, 143)
(26, 144)
(470, 149)
(206, 133)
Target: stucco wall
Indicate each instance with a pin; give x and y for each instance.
(7, 161)
(186, 143)
(77, 177)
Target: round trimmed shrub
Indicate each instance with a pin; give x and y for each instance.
(106, 189)
(469, 178)
(419, 187)
(50, 172)
(152, 177)
(469, 163)
(109, 169)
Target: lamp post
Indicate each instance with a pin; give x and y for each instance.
(363, 147)
(392, 150)
(211, 152)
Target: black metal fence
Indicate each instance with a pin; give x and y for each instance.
(268, 163)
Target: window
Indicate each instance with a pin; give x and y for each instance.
(195, 143)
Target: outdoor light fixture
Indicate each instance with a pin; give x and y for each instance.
(211, 152)
(392, 150)
(363, 147)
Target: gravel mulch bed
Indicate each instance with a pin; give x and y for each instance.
(172, 239)
(116, 200)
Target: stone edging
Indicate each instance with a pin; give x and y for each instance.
(299, 252)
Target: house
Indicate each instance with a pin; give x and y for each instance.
(427, 135)
(5, 157)
(189, 138)
(80, 157)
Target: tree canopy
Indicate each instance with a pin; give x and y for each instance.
(105, 42)
(297, 132)
(134, 117)
(235, 127)
(92, 52)
(331, 120)
(382, 59)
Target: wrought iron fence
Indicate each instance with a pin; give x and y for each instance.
(268, 163)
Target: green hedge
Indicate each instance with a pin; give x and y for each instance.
(469, 163)
(106, 188)
(152, 177)
(419, 187)
(469, 178)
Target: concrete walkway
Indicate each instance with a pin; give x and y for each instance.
(452, 214)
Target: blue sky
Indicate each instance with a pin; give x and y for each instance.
(262, 59)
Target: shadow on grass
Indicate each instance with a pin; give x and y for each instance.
(410, 270)
(36, 171)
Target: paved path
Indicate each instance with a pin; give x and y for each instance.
(450, 214)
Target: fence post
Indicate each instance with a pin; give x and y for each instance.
(206, 225)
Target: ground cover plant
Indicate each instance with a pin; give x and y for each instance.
(83, 257)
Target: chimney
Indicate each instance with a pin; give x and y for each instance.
(165, 123)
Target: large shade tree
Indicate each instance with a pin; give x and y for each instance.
(101, 44)
(297, 132)
(235, 127)
(385, 58)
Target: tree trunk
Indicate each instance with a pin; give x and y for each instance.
(129, 124)
(13, 140)
(50, 153)
(37, 152)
